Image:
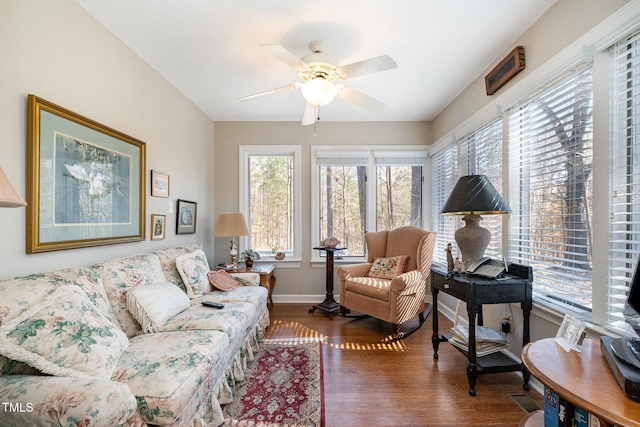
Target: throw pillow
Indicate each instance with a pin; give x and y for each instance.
(193, 268)
(152, 305)
(64, 335)
(222, 280)
(388, 268)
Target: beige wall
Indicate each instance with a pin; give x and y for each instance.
(564, 23)
(57, 51)
(298, 283)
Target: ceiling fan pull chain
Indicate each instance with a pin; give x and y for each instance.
(315, 122)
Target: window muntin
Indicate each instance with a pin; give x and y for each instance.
(348, 201)
(550, 155)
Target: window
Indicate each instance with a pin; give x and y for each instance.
(550, 155)
(480, 152)
(346, 203)
(625, 176)
(270, 199)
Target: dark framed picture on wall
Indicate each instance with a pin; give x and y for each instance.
(159, 184)
(87, 181)
(158, 226)
(186, 218)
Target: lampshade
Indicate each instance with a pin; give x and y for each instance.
(9, 197)
(472, 196)
(319, 91)
(231, 224)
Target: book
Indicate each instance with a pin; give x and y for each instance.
(583, 418)
(482, 349)
(483, 334)
(565, 413)
(551, 408)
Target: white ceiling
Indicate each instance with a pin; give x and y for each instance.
(209, 49)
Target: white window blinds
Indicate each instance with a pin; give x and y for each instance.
(444, 177)
(625, 174)
(550, 147)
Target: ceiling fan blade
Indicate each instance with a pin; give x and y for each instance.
(285, 56)
(292, 86)
(309, 116)
(361, 100)
(368, 66)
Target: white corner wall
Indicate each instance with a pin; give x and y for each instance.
(57, 51)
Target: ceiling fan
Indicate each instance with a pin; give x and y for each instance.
(318, 72)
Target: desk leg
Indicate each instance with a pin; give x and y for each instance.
(526, 311)
(272, 283)
(435, 338)
(472, 368)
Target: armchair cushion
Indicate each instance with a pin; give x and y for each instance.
(388, 268)
(369, 286)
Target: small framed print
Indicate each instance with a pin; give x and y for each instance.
(186, 218)
(571, 333)
(159, 184)
(158, 226)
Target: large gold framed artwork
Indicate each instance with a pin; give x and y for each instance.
(86, 181)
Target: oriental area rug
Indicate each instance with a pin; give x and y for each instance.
(283, 387)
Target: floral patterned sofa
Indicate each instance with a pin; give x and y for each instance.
(126, 342)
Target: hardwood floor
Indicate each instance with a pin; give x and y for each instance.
(371, 381)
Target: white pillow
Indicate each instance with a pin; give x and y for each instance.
(64, 335)
(193, 268)
(152, 305)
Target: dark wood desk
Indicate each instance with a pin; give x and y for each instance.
(476, 291)
(329, 305)
(584, 379)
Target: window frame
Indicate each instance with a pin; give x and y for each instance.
(359, 152)
(245, 152)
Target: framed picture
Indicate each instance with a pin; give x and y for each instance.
(158, 226)
(571, 333)
(159, 184)
(186, 218)
(86, 181)
(507, 69)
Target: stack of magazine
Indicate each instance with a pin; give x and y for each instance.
(488, 340)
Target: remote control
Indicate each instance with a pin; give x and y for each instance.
(213, 304)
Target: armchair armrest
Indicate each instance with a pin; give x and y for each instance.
(353, 270)
(30, 400)
(408, 283)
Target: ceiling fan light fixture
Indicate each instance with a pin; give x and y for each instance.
(319, 91)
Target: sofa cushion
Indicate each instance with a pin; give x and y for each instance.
(168, 257)
(122, 274)
(193, 268)
(166, 369)
(64, 335)
(154, 304)
(235, 319)
(223, 281)
(388, 268)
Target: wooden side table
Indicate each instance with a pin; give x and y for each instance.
(329, 305)
(584, 379)
(267, 278)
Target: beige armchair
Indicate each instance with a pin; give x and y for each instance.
(396, 299)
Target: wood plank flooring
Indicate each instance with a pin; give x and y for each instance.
(370, 381)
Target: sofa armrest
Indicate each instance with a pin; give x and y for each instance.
(29, 400)
(252, 279)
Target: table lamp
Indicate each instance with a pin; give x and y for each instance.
(9, 197)
(472, 196)
(231, 224)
